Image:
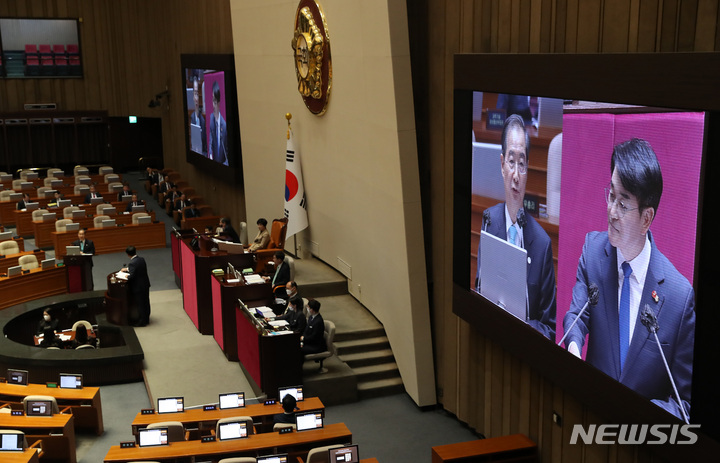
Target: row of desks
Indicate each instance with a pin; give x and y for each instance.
(24, 222)
(57, 433)
(35, 284)
(115, 239)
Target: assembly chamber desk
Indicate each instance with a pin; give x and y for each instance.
(35, 284)
(116, 239)
(56, 432)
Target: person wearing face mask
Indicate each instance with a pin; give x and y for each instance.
(291, 290)
(294, 315)
(46, 322)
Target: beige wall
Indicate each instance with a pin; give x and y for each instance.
(359, 160)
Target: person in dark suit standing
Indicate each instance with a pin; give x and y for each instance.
(313, 339)
(86, 246)
(92, 194)
(22, 204)
(218, 131)
(634, 278)
(502, 221)
(134, 202)
(139, 283)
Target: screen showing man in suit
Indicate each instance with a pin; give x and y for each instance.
(508, 221)
(218, 149)
(637, 287)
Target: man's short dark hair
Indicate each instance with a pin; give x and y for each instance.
(515, 121)
(130, 251)
(279, 255)
(296, 301)
(289, 403)
(639, 172)
(225, 220)
(216, 91)
(262, 222)
(314, 304)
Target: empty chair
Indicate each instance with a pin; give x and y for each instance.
(47, 181)
(28, 262)
(15, 431)
(24, 173)
(68, 211)
(82, 180)
(320, 454)
(84, 323)
(17, 184)
(329, 338)
(101, 207)
(37, 214)
(5, 195)
(114, 187)
(31, 398)
(9, 247)
(52, 170)
(61, 225)
(137, 215)
(176, 431)
(236, 419)
(110, 178)
(98, 220)
(79, 168)
(81, 189)
(41, 191)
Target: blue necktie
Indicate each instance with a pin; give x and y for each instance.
(513, 234)
(625, 314)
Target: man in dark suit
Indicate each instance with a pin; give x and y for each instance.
(192, 212)
(313, 338)
(166, 185)
(125, 193)
(134, 202)
(294, 315)
(22, 204)
(632, 277)
(181, 203)
(197, 117)
(86, 246)
(139, 283)
(92, 194)
(218, 130)
(228, 232)
(281, 276)
(530, 236)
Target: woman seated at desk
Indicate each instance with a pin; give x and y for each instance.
(47, 321)
(50, 339)
(82, 338)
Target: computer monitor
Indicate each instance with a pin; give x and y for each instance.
(72, 226)
(64, 203)
(55, 184)
(72, 250)
(232, 430)
(295, 391)
(39, 408)
(231, 400)
(47, 263)
(17, 377)
(97, 200)
(83, 181)
(278, 458)
(71, 381)
(49, 193)
(306, 421)
(11, 442)
(345, 454)
(170, 405)
(4, 236)
(31, 206)
(15, 271)
(26, 185)
(58, 174)
(49, 217)
(139, 208)
(109, 211)
(79, 214)
(108, 223)
(144, 220)
(153, 437)
(31, 176)
(6, 177)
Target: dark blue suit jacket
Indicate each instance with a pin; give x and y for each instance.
(138, 278)
(540, 271)
(644, 371)
(219, 150)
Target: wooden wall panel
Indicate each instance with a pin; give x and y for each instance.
(479, 382)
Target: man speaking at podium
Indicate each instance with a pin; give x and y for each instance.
(502, 221)
(633, 276)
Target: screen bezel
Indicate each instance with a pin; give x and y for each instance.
(683, 84)
(240, 394)
(267, 458)
(76, 376)
(298, 415)
(144, 430)
(334, 451)
(29, 403)
(19, 443)
(24, 374)
(287, 388)
(181, 399)
(220, 434)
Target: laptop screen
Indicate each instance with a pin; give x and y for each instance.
(233, 430)
(346, 454)
(232, 400)
(170, 405)
(38, 408)
(309, 420)
(280, 458)
(71, 381)
(10, 442)
(295, 391)
(17, 377)
(151, 437)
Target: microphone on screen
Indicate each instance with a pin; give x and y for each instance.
(593, 297)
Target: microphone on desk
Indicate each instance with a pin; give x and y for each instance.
(486, 219)
(649, 319)
(593, 297)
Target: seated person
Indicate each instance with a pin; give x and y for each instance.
(22, 204)
(291, 290)
(313, 339)
(82, 338)
(152, 175)
(294, 315)
(134, 202)
(54, 202)
(289, 404)
(181, 203)
(46, 322)
(125, 192)
(209, 230)
(192, 212)
(262, 239)
(91, 195)
(228, 232)
(281, 276)
(50, 339)
(171, 196)
(166, 185)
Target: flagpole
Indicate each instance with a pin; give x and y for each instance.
(288, 116)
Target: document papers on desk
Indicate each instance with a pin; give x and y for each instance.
(254, 279)
(122, 275)
(265, 312)
(279, 323)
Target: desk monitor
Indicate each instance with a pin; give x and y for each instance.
(11, 442)
(39, 408)
(79, 214)
(295, 391)
(58, 174)
(115, 188)
(140, 208)
(503, 270)
(345, 454)
(26, 185)
(4, 236)
(72, 226)
(54, 184)
(232, 400)
(49, 217)
(71, 380)
(232, 430)
(47, 263)
(306, 421)
(152, 437)
(49, 193)
(15, 271)
(31, 176)
(278, 458)
(31, 206)
(97, 200)
(6, 177)
(108, 223)
(83, 181)
(72, 250)
(126, 198)
(144, 220)
(109, 211)
(170, 405)
(17, 377)
(64, 203)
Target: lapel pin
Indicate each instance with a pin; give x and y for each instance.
(655, 296)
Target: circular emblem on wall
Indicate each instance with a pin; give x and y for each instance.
(313, 67)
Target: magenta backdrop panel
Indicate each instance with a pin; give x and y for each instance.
(588, 140)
